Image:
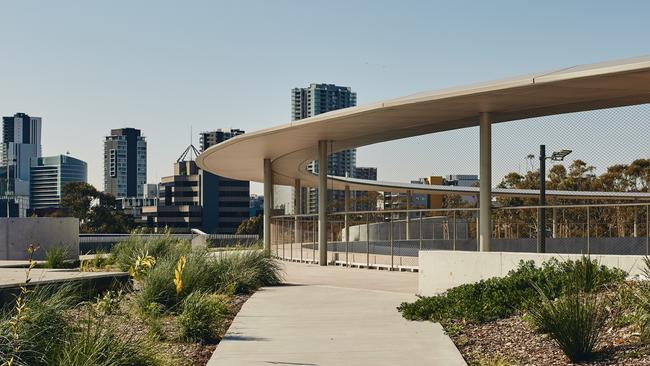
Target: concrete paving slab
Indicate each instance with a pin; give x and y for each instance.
(331, 319)
(361, 278)
(324, 325)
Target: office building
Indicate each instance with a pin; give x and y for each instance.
(192, 199)
(133, 205)
(21, 142)
(225, 201)
(397, 201)
(314, 100)
(207, 139)
(125, 163)
(49, 175)
(150, 191)
(363, 200)
(256, 206)
(179, 203)
(463, 180)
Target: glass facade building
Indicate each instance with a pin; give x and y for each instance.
(50, 174)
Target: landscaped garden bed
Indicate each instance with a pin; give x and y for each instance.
(178, 306)
(562, 313)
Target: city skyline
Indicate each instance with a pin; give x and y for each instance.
(86, 83)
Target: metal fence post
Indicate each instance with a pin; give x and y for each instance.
(277, 240)
(367, 239)
(634, 229)
(420, 229)
(588, 231)
(293, 235)
(453, 222)
(284, 239)
(347, 241)
(301, 237)
(478, 241)
(391, 242)
(313, 247)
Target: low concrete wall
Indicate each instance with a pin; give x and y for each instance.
(47, 232)
(441, 270)
(432, 227)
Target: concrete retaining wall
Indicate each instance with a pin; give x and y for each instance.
(47, 232)
(432, 228)
(441, 270)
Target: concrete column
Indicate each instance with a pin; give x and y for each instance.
(297, 187)
(347, 217)
(409, 195)
(322, 202)
(268, 203)
(485, 199)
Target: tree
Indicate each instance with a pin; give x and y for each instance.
(606, 221)
(77, 198)
(252, 226)
(97, 211)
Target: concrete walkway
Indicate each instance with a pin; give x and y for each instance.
(13, 277)
(334, 316)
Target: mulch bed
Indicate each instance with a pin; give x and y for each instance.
(167, 338)
(513, 341)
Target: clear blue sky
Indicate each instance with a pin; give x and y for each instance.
(168, 66)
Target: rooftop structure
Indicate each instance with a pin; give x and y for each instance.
(280, 155)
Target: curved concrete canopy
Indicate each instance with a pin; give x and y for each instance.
(292, 146)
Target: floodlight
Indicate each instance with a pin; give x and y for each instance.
(560, 155)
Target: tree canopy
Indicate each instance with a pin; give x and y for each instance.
(97, 211)
(254, 225)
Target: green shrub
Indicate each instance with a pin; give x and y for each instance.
(127, 251)
(202, 316)
(496, 298)
(246, 271)
(575, 321)
(158, 286)
(55, 257)
(42, 324)
(230, 273)
(100, 344)
(587, 275)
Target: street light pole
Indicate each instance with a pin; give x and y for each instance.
(541, 212)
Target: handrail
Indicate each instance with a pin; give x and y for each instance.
(469, 209)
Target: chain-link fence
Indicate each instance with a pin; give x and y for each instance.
(609, 152)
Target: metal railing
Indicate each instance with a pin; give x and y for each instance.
(392, 239)
(92, 243)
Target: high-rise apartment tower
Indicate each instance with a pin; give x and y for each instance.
(125, 163)
(311, 101)
(21, 142)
